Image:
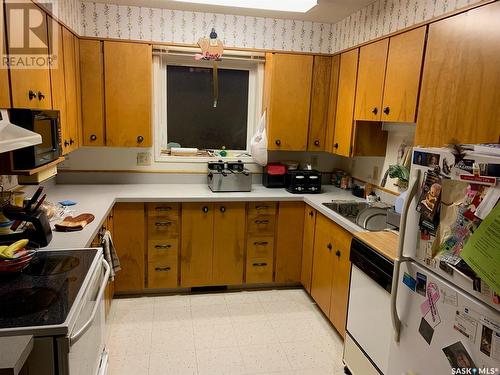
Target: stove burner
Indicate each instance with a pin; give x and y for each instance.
(51, 265)
(26, 301)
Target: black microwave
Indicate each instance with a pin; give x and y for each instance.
(47, 124)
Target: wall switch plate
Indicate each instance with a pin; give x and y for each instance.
(143, 158)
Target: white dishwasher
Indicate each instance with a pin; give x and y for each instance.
(369, 329)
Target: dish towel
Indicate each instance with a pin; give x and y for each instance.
(110, 254)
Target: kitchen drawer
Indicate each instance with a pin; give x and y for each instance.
(163, 274)
(161, 227)
(259, 270)
(159, 250)
(164, 209)
(260, 247)
(262, 208)
(261, 224)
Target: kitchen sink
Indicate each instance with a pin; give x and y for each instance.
(368, 216)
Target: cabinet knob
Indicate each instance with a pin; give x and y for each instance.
(41, 95)
(337, 253)
(311, 213)
(278, 142)
(329, 247)
(140, 139)
(387, 110)
(222, 209)
(66, 143)
(375, 110)
(71, 141)
(316, 142)
(205, 209)
(32, 95)
(335, 145)
(93, 137)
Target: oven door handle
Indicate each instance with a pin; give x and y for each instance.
(78, 334)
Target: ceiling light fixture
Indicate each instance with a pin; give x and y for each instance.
(300, 6)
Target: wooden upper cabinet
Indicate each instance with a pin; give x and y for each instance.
(341, 276)
(289, 237)
(4, 72)
(229, 243)
(370, 86)
(130, 244)
(342, 138)
(127, 71)
(288, 96)
(460, 96)
(92, 86)
(71, 139)
(30, 87)
(402, 77)
(332, 103)
(308, 247)
(197, 235)
(322, 273)
(320, 94)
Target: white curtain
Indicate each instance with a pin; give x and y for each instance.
(160, 103)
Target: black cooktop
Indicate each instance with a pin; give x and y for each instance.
(43, 293)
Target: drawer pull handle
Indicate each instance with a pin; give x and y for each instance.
(261, 207)
(329, 247)
(337, 253)
(163, 208)
(163, 223)
(263, 264)
(261, 221)
(162, 269)
(261, 243)
(32, 95)
(163, 246)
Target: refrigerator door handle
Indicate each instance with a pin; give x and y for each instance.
(400, 258)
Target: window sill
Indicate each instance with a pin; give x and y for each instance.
(201, 159)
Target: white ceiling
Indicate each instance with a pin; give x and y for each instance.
(329, 11)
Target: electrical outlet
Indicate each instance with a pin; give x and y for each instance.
(314, 161)
(143, 158)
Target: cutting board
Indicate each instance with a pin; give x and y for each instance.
(384, 242)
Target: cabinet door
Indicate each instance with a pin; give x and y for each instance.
(70, 78)
(459, 98)
(402, 76)
(289, 101)
(342, 138)
(370, 86)
(308, 247)
(229, 243)
(289, 237)
(130, 243)
(127, 72)
(321, 284)
(92, 80)
(58, 86)
(4, 73)
(197, 232)
(25, 80)
(332, 103)
(318, 117)
(341, 276)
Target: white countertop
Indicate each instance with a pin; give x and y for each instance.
(99, 199)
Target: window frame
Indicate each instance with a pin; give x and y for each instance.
(255, 70)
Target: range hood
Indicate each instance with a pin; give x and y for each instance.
(13, 137)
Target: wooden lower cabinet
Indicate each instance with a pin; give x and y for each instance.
(229, 243)
(289, 234)
(322, 272)
(341, 277)
(308, 247)
(197, 244)
(130, 244)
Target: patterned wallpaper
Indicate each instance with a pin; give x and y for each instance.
(162, 25)
(67, 11)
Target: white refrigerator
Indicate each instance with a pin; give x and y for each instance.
(446, 320)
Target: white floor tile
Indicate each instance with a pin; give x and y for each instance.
(214, 336)
(264, 358)
(306, 355)
(167, 338)
(177, 315)
(241, 297)
(181, 362)
(255, 333)
(220, 361)
(210, 314)
(175, 301)
(137, 364)
(208, 299)
(131, 338)
(246, 312)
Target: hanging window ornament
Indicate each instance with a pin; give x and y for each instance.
(211, 50)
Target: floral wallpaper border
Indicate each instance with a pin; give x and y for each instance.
(379, 18)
